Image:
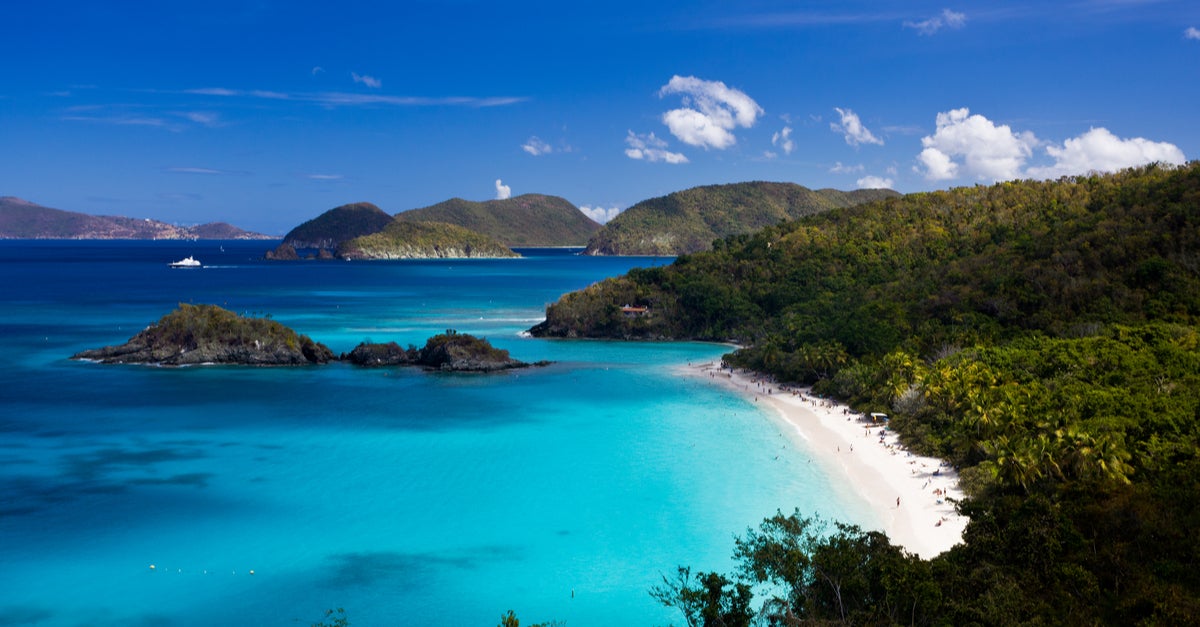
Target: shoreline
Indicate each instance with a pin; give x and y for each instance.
(912, 496)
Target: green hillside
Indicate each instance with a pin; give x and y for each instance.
(338, 225)
(423, 240)
(688, 221)
(962, 265)
(527, 220)
(1042, 337)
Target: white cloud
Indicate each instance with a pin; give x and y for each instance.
(535, 146)
(987, 151)
(838, 168)
(503, 192)
(324, 177)
(205, 118)
(874, 182)
(205, 171)
(190, 170)
(650, 148)
(946, 19)
(317, 70)
(270, 95)
(783, 139)
(340, 98)
(1192, 33)
(600, 214)
(211, 91)
(973, 146)
(369, 81)
(332, 99)
(853, 129)
(938, 165)
(1101, 151)
(711, 111)
(125, 120)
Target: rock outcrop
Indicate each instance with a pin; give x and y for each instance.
(448, 352)
(282, 252)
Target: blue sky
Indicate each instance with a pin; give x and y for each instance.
(265, 114)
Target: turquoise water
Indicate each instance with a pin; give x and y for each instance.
(404, 497)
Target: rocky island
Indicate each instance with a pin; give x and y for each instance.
(449, 351)
(207, 334)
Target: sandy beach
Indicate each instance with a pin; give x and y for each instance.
(911, 495)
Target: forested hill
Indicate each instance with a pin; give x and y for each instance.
(956, 266)
(1043, 337)
(526, 220)
(688, 221)
(338, 225)
(423, 240)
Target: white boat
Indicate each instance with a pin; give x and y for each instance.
(186, 262)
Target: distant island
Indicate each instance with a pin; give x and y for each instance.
(688, 221)
(423, 240)
(207, 334)
(454, 228)
(22, 219)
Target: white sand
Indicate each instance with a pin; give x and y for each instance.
(898, 485)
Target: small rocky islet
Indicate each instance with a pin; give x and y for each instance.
(450, 351)
(211, 335)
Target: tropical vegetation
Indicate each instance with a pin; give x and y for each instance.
(688, 221)
(1042, 336)
(525, 220)
(420, 240)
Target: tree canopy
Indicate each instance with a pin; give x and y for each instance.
(1042, 336)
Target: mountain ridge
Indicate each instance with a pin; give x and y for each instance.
(531, 220)
(24, 219)
(689, 220)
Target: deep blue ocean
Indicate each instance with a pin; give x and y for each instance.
(135, 495)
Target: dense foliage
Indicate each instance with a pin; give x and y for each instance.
(1042, 336)
(195, 334)
(952, 267)
(688, 221)
(419, 240)
(526, 220)
(338, 225)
